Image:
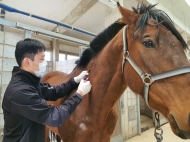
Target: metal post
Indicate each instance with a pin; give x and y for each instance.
(55, 53)
(138, 115)
(28, 34)
(2, 15)
(80, 50)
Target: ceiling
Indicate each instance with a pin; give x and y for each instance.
(89, 14)
(179, 8)
(179, 12)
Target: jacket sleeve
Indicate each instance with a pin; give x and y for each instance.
(28, 104)
(52, 93)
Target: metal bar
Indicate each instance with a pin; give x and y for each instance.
(7, 23)
(83, 31)
(138, 115)
(81, 49)
(41, 31)
(49, 33)
(28, 34)
(122, 112)
(2, 16)
(51, 21)
(11, 9)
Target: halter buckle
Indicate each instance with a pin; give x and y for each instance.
(147, 79)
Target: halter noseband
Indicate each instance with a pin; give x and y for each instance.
(146, 76)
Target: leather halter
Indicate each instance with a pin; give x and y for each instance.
(146, 76)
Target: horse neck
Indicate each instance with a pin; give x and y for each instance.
(76, 71)
(106, 77)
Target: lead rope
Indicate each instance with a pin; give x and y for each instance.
(158, 132)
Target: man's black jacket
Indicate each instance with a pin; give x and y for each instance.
(25, 109)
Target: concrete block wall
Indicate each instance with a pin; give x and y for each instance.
(129, 114)
(66, 66)
(7, 61)
(132, 113)
(1, 86)
(49, 67)
(8, 42)
(142, 105)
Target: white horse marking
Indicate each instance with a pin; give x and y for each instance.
(83, 126)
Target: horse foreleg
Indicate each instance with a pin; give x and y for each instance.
(110, 123)
(47, 134)
(58, 138)
(55, 131)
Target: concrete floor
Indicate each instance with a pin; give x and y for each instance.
(146, 122)
(148, 136)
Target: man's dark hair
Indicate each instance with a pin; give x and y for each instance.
(27, 48)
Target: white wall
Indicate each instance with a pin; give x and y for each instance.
(66, 66)
(129, 120)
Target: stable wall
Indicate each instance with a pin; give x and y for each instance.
(129, 117)
(66, 66)
(8, 42)
(7, 61)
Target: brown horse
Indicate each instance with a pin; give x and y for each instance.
(152, 45)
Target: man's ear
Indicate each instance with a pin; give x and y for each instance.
(26, 62)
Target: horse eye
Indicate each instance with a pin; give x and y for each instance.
(148, 44)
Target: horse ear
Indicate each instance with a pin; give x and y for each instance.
(128, 15)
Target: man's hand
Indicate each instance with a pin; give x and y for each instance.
(82, 75)
(84, 87)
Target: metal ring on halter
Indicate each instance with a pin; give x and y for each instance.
(147, 77)
(126, 54)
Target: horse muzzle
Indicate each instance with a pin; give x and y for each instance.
(182, 134)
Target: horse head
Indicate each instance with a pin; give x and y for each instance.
(154, 55)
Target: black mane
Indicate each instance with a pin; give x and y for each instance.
(159, 16)
(98, 43)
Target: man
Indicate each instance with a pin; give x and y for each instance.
(25, 110)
